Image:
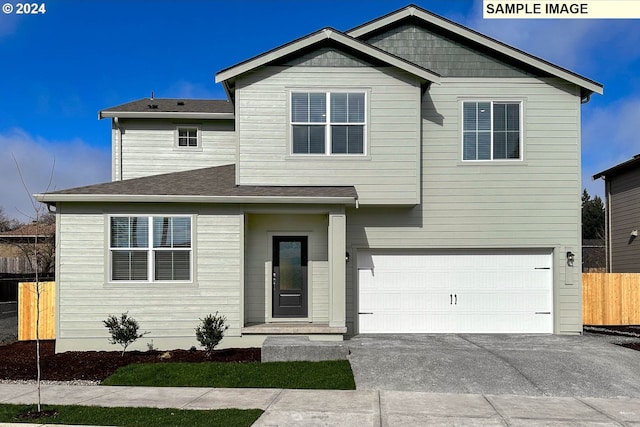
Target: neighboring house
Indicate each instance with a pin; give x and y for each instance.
(409, 175)
(18, 249)
(622, 225)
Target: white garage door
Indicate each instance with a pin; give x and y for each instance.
(455, 292)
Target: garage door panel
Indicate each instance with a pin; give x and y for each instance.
(455, 292)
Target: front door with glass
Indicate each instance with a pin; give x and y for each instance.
(289, 276)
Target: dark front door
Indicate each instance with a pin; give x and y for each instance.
(289, 276)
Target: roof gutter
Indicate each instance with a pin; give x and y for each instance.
(53, 198)
(164, 115)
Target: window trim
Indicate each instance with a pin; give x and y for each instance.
(328, 124)
(150, 250)
(176, 137)
(493, 101)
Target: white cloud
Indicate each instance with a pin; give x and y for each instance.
(76, 164)
(8, 24)
(609, 137)
(581, 45)
(186, 89)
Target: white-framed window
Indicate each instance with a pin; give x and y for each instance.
(491, 130)
(328, 123)
(188, 137)
(150, 248)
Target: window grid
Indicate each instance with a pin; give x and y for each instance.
(491, 130)
(187, 137)
(325, 128)
(150, 248)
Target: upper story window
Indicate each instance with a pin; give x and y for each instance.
(328, 123)
(492, 130)
(150, 248)
(188, 137)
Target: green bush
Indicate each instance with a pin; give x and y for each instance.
(211, 331)
(124, 330)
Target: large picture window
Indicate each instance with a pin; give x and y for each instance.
(150, 248)
(328, 123)
(491, 130)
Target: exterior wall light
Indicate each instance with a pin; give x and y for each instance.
(347, 257)
(571, 257)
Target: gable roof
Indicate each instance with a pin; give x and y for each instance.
(632, 163)
(208, 185)
(172, 108)
(415, 12)
(228, 75)
(352, 40)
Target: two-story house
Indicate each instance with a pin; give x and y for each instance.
(408, 175)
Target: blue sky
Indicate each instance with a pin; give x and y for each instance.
(60, 68)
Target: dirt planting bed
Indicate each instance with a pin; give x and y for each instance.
(18, 361)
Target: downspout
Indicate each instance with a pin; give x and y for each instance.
(118, 174)
(607, 194)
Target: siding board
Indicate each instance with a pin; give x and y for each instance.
(529, 204)
(166, 310)
(148, 148)
(624, 216)
(393, 122)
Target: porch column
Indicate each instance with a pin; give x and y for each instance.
(337, 268)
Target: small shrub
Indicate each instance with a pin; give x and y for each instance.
(124, 330)
(211, 331)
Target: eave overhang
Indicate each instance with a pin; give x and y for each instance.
(52, 199)
(632, 163)
(165, 115)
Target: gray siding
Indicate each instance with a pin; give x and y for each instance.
(149, 148)
(441, 54)
(388, 174)
(170, 312)
(534, 203)
(327, 57)
(624, 214)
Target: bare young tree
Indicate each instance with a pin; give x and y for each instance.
(39, 212)
(6, 223)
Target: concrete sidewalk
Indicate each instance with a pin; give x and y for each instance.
(349, 408)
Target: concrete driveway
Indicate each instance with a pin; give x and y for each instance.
(530, 365)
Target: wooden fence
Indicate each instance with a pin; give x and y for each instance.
(27, 310)
(611, 298)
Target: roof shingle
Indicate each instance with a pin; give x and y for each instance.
(164, 105)
(208, 182)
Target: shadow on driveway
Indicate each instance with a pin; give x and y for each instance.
(8, 324)
(532, 365)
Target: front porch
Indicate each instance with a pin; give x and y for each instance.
(295, 273)
(292, 328)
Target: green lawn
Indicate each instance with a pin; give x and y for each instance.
(133, 417)
(330, 375)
